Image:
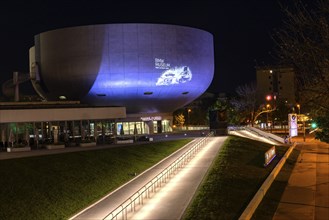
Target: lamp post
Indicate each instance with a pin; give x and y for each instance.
(303, 120)
(188, 118)
(268, 99)
(304, 129)
(268, 106)
(298, 106)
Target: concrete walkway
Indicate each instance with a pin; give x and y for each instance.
(176, 199)
(306, 196)
(173, 198)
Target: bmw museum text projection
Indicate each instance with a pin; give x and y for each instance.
(146, 68)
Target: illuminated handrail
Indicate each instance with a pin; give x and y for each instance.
(156, 182)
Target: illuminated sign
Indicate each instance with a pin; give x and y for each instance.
(153, 118)
(175, 75)
(293, 127)
(161, 64)
(269, 155)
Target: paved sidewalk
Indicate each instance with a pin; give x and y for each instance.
(307, 193)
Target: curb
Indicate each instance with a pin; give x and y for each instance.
(258, 197)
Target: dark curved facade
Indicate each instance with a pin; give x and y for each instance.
(147, 68)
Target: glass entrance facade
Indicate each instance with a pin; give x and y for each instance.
(141, 127)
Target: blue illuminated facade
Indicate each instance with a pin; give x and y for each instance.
(147, 68)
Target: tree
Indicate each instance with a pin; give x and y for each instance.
(323, 132)
(303, 42)
(263, 109)
(282, 111)
(246, 102)
(180, 119)
(198, 114)
(223, 104)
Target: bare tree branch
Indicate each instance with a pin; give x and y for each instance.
(303, 42)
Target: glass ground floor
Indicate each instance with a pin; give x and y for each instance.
(75, 125)
(77, 131)
(142, 127)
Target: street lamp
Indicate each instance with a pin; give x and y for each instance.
(188, 118)
(268, 106)
(298, 106)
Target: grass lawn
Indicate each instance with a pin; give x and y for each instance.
(57, 186)
(232, 181)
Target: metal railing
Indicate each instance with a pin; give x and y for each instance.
(129, 205)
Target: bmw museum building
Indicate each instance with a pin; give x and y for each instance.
(130, 78)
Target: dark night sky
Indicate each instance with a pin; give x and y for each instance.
(241, 29)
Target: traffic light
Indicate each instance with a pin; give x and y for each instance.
(314, 125)
(268, 98)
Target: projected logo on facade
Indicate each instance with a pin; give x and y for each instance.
(161, 64)
(170, 76)
(175, 75)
